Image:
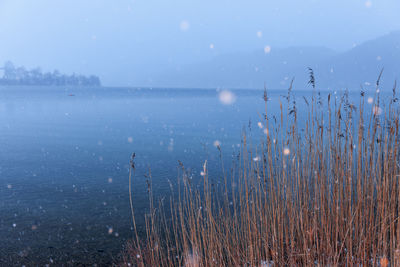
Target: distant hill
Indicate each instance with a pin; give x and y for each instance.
(360, 65)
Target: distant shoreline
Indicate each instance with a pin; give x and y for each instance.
(52, 85)
(20, 76)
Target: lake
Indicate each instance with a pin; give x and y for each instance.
(64, 161)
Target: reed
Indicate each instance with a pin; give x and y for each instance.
(324, 194)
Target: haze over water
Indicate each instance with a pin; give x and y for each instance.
(140, 43)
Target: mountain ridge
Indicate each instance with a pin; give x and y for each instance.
(349, 69)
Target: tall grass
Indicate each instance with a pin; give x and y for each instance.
(324, 194)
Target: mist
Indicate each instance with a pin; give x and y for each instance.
(133, 43)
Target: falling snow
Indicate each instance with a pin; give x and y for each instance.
(286, 151)
(184, 25)
(377, 110)
(217, 143)
(227, 97)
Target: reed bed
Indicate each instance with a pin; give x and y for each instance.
(323, 194)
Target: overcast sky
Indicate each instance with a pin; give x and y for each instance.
(123, 41)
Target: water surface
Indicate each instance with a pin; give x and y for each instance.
(64, 155)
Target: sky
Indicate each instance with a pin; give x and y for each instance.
(127, 42)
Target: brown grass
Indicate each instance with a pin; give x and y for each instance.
(327, 194)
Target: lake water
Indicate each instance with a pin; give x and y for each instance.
(64, 157)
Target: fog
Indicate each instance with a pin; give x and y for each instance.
(132, 43)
